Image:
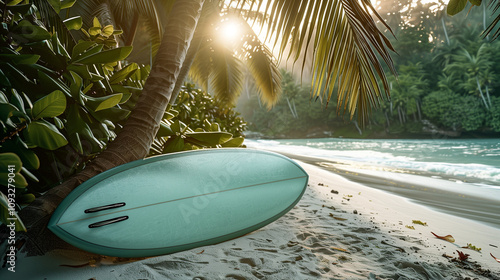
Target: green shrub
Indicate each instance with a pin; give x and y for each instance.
(59, 103)
(197, 120)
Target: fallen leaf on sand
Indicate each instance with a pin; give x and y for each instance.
(462, 256)
(337, 218)
(199, 253)
(498, 260)
(447, 256)
(339, 249)
(448, 237)
(418, 222)
(472, 247)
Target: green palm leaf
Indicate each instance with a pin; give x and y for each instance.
(201, 67)
(226, 76)
(494, 7)
(262, 65)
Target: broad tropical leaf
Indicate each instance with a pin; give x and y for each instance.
(210, 138)
(51, 105)
(44, 135)
(74, 23)
(124, 73)
(456, 6)
(104, 102)
(108, 56)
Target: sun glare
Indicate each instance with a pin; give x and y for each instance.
(229, 31)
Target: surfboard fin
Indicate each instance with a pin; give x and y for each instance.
(105, 207)
(108, 222)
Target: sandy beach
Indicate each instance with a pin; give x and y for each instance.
(339, 230)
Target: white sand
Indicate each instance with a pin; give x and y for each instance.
(312, 241)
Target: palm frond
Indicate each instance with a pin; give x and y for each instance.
(204, 37)
(201, 67)
(151, 28)
(104, 13)
(226, 78)
(264, 69)
(215, 63)
(494, 6)
(147, 9)
(346, 46)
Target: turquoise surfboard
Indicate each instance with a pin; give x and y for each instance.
(179, 201)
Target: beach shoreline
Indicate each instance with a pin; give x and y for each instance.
(440, 194)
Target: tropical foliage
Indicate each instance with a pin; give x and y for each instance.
(61, 104)
(448, 81)
(99, 86)
(197, 120)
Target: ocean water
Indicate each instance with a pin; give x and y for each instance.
(458, 177)
(476, 161)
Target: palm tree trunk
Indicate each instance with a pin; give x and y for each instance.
(484, 20)
(357, 127)
(445, 32)
(488, 95)
(419, 110)
(400, 116)
(295, 108)
(188, 62)
(134, 140)
(290, 106)
(184, 71)
(481, 93)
